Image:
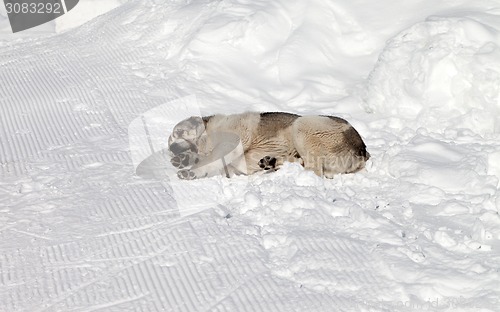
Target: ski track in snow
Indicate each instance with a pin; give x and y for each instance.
(419, 229)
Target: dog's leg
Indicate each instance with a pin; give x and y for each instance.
(258, 160)
(186, 174)
(268, 163)
(185, 159)
(273, 163)
(313, 163)
(224, 159)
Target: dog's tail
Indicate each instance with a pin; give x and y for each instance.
(356, 143)
(362, 152)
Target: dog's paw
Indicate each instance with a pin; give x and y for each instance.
(267, 163)
(186, 174)
(184, 160)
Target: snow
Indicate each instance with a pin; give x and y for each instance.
(92, 220)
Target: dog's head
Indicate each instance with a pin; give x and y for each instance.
(185, 135)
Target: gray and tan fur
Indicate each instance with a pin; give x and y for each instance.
(326, 145)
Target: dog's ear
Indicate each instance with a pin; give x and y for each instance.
(189, 129)
(185, 135)
(198, 125)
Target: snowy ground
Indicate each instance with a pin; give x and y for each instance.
(418, 230)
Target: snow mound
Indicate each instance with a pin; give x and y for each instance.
(441, 74)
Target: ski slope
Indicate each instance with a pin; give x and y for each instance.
(82, 228)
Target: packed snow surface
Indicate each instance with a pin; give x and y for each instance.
(82, 228)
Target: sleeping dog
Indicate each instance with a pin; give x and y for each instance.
(252, 142)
